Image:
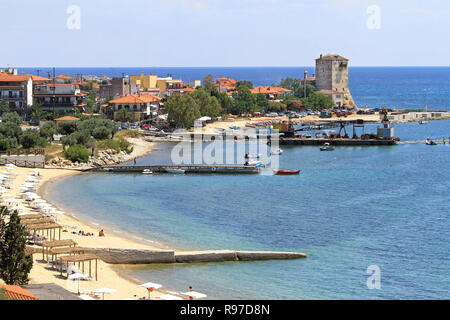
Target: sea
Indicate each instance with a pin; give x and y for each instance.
(363, 215)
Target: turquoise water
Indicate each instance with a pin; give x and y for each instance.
(349, 209)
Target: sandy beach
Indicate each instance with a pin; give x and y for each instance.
(108, 277)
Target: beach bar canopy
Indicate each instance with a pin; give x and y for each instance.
(56, 243)
(50, 228)
(65, 250)
(80, 259)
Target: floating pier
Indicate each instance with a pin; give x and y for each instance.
(337, 142)
(161, 168)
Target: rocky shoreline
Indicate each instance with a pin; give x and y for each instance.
(104, 157)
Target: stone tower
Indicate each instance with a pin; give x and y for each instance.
(332, 78)
(331, 73)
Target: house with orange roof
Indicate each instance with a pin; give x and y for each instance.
(141, 106)
(225, 84)
(66, 118)
(188, 90)
(62, 78)
(60, 96)
(17, 91)
(272, 93)
(17, 293)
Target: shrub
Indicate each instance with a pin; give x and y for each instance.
(29, 138)
(76, 153)
(42, 142)
(101, 133)
(4, 144)
(118, 145)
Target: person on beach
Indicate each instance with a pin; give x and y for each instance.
(101, 233)
(190, 290)
(134, 160)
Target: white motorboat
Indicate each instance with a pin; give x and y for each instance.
(326, 147)
(147, 171)
(423, 122)
(276, 152)
(430, 142)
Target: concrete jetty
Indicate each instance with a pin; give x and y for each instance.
(161, 168)
(337, 142)
(144, 256)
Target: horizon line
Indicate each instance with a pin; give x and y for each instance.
(204, 67)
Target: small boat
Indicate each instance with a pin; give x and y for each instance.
(430, 142)
(147, 171)
(276, 152)
(423, 122)
(285, 172)
(254, 163)
(174, 170)
(326, 147)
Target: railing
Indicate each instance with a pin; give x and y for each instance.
(23, 163)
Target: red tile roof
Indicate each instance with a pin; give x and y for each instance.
(18, 293)
(67, 118)
(63, 76)
(269, 90)
(6, 77)
(134, 98)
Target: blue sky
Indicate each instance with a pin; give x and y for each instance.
(147, 33)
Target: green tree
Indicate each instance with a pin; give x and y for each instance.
(47, 130)
(244, 83)
(4, 108)
(10, 130)
(37, 114)
(29, 138)
(183, 110)
(4, 143)
(261, 101)
(298, 90)
(208, 84)
(209, 105)
(15, 263)
(67, 127)
(226, 103)
(243, 100)
(318, 101)
(12, 117)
